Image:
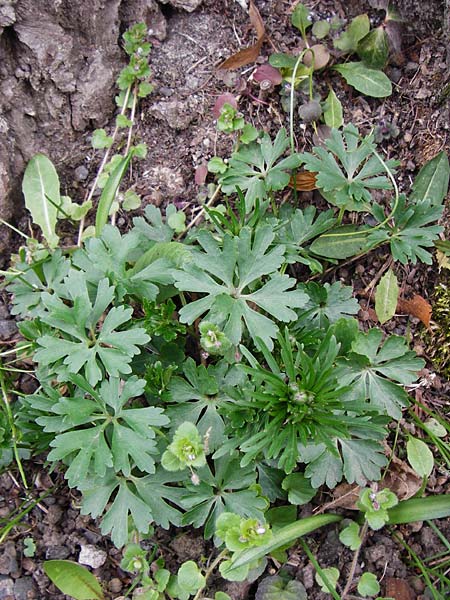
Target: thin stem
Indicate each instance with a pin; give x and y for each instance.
(27, 237)
(12, 427)
(351, 575)
(209, 570)
(317, 567)
(201, 212)
(103, 163)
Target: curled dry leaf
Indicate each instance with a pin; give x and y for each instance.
(418, 307)
(318, 55)
(250, 54)
(303, 182)
(225, 98)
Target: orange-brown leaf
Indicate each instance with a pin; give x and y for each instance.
(416, 307)
(250, 54)
(303, 182)
(399, 589)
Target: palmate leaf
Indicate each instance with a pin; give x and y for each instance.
(35, 279)
(358, 460)
(97, 493)
(255, 169)
(80, 347)
(375, 370)
(302, 226)
(350, 169)
(228, 274)
(411, 232)
(113, 436)
(199, 395)
(227, 488)
(326, 305)
(110, 256)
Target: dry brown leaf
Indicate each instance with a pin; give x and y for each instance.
(303, 182)
(250, 54)
(417, 307)
(399, 589)
(345, 495)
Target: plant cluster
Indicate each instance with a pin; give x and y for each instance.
(198, 375)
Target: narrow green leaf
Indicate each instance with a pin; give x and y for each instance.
(300, 18)
(386, 296)
(334, 244)
(420, 457)
(109, 193)
(431, 182)
(73, 579)
(420, 509)
(332, 112)
(370, 82)
(39, 181)
(284, 536)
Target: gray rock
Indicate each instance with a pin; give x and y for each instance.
(7, 329)
(92, 556)
(177, 114)
(189, 5)
(6, 588)
(57, 552)
(81, 173)
(24, 589)
(8, 559)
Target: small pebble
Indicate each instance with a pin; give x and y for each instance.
(81, 173)
(92, 556)
(115, 585)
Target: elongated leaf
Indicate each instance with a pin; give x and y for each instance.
(73, 579)
(431, 182)
(374, 48)
(334, 244)
(386, 297)
(109, 193)
(284, 536)
(420, 457)
(39, 181)
(332, 112)
(370, 82)
(420, 509)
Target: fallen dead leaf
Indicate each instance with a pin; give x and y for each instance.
(250, 54)
(418, 307)
(303, 182)
(399, 589)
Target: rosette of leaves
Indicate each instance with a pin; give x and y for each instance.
(259, 169)
(185, 450)
(84, 337)
(348, 169)
(296, 400)
(235, 277)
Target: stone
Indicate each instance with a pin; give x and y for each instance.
(6, 588)
(7, 329)
(24, 589)
(177, 114)
(92, 556)
(57, 552)
(8, 559)
(188, 5)
(81, 173)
